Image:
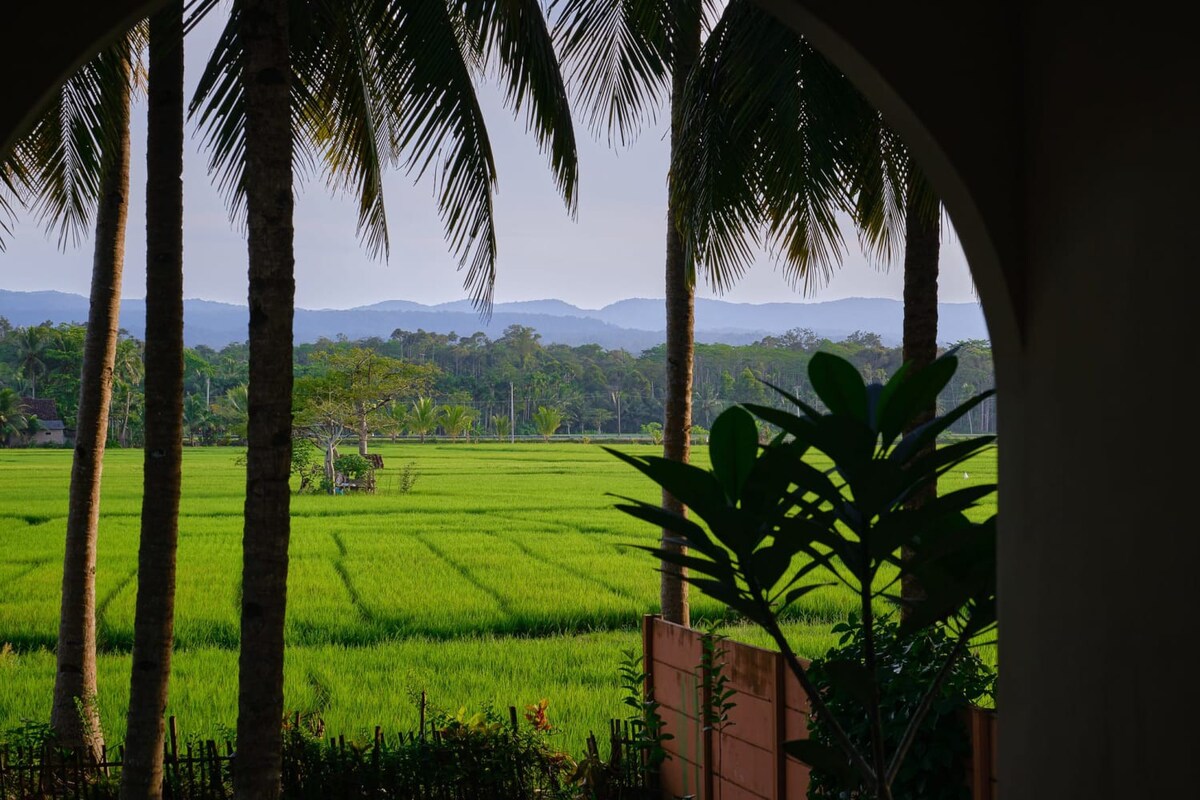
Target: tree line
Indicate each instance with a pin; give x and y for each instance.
(426, 383)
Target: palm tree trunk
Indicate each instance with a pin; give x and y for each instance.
(75, 673)
(922, 248)
(681, 314)
(154, 617)
(269, 205)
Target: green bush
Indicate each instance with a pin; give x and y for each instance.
(353, 466)
(935, 768)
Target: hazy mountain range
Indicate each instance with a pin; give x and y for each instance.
(634, 324)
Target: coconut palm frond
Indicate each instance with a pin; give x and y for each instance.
(803, 138)
(438, 124)
(715, 181)
(877, 177)
(194, 12)
(66, 150)
(760, 160)
(518, 42)
(219, 104)
(617, 55)
(219, 108)
(14, 193)
(342, 108)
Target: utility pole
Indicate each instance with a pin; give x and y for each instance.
(616, 396)
(512, 415)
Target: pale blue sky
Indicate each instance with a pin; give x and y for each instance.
(614, 250)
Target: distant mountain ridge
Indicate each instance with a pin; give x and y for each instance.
(634, 325)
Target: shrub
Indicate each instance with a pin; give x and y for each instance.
(654, 430)
(306, 465)
(906, 667)
(353, 466)
(408, 477)
(459, 755)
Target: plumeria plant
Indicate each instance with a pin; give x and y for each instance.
(769, 527)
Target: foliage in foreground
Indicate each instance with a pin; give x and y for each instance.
(906, 667)
(776, 528)
(453, 756)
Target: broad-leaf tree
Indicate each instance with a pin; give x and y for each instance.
(369, 383)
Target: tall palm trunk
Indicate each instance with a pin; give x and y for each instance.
(154, 620)
(269, 204)
(922, 249)
(74, 715)
(681, 314)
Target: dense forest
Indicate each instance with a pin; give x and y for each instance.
(487, 383)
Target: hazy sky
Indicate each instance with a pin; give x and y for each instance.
(612, 251)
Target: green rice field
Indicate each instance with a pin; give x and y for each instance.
(505, 576)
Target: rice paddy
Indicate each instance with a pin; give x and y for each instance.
(503, 577)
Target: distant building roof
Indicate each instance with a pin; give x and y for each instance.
(44, 408)
(52, 424)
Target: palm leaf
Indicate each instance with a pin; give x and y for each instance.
(617, 57)
(425, 75)
(14, 187)
(219, 107)
(67, 149)
(342, 109)
(517, 40)
(760, 158)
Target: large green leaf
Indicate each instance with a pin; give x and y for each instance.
(915, 393)
(694, 534)
(694, 487)
(927, 434)
(839, 386)
(733, 448)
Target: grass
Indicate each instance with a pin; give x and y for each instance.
(503, 577)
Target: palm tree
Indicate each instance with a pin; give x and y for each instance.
(128, 372)
(502, 425)
(620, 54)
(31, 345)
(197, 419)
(456, 420)
(547, 421)
(13, 419)
(422, 419)
(75, 164)
(154, 615)
(781, 143)
(359, 85)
